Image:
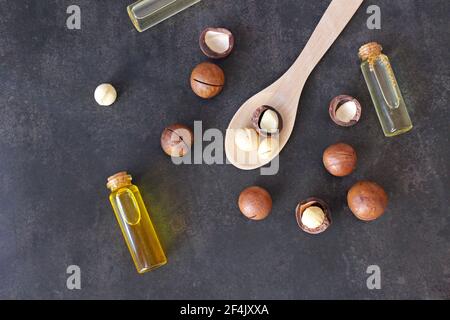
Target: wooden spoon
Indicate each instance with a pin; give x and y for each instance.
(284, 94)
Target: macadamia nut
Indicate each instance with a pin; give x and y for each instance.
(255, 203)
(207, 80)
(246, 139)
(216, 43)
(268, 148)
(176, 140)
(339, 159)
(346, 112)
(105, 94)
(313, 217)
(269, 121)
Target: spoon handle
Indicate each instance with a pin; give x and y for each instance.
(334, 20)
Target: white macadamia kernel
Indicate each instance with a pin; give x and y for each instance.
(346, 112)
(105, 94)
(269, 121)
(313, 217)
(217, 41)
(246, 139)
(268, 147)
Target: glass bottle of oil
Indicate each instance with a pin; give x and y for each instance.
(384, 90)
(135, 223)
(146, 13)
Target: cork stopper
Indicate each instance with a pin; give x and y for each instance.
(370, 50)
(119, 180)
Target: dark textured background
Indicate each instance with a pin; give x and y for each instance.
(57, 147)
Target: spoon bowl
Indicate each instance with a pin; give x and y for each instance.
(284, 94)
(287, 108)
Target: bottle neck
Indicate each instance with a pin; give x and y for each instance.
(119, 180)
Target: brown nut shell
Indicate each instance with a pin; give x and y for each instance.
(339, 159)
(255, 203)
(209, 52)
(176, 140)
(313, 202)
(256, 120)
(336, 103)
(207, 80)
(367, 200)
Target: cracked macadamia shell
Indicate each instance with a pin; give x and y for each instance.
(345, 111)
(216, 43)
(267, 121)
(313, 215)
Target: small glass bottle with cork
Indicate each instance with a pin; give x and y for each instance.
(384, 90)
(134, 221)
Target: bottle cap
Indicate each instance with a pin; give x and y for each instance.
(369, 50)
(119, 180)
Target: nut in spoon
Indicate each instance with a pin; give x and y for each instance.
(284, 94)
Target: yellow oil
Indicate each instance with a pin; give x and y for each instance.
(137, 228)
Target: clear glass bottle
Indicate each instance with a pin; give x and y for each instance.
(384, 90)
(134, 221)
(146, 13)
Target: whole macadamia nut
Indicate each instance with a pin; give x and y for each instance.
(340, 159)
(176, 140)
(105, 94)
(367, 200)
(207, 80)
(255, 203)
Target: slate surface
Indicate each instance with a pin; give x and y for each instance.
(57, 147)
